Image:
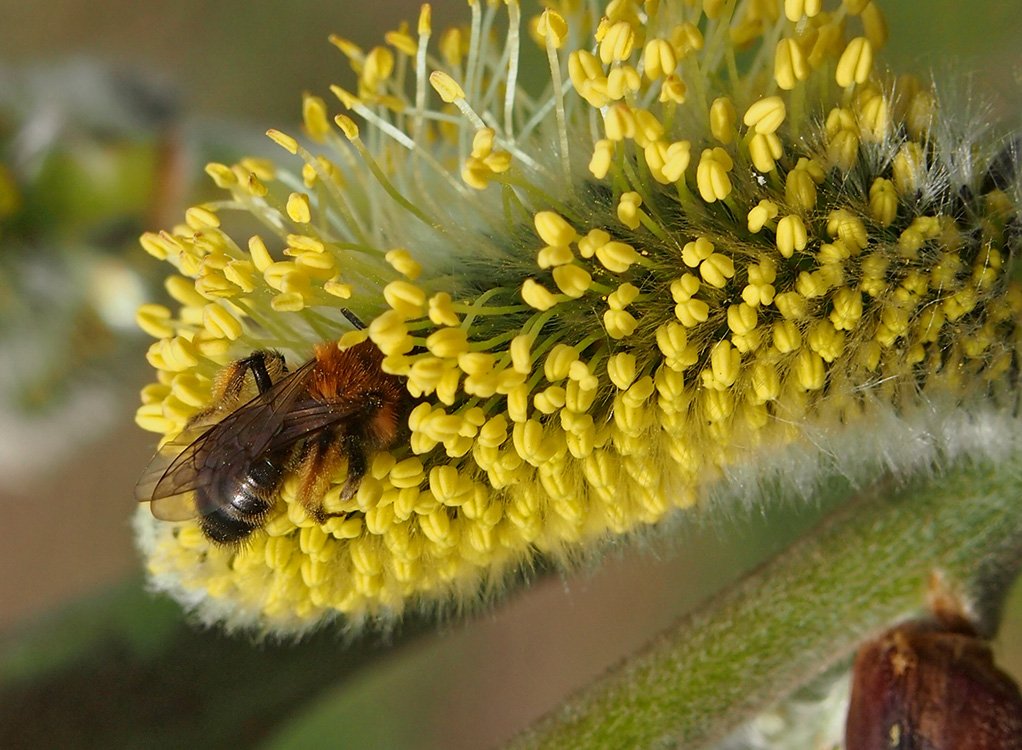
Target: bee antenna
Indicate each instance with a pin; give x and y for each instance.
(353, 319)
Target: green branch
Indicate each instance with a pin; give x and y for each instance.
(806, 610)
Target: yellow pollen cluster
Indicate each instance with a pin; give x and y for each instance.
(599, 299)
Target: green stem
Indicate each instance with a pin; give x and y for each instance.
(864, 567)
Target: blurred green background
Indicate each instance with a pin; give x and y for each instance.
(87, 659)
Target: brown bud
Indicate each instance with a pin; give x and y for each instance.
(929, 685)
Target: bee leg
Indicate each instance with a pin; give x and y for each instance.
(358, 465)
(266, 367)
(318, 461)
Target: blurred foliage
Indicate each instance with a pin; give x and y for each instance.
(123, 670)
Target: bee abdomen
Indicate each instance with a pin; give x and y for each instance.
(244, 510)
(223, 526)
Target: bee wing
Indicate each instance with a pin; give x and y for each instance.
(313, 416)
(192, 462)
(178, 507)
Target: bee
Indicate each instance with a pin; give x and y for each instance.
(226, 467)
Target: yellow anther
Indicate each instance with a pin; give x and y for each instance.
(423, 377)
(678, 157)
(286, 142)
(403, 262)
(758, 217)
(350, 338)
(521, 356)
(794, 10)
(617, 257)
(883, 201)
(347, 47)
(155, 321)
(587, 76)
(200, 217)
(583, 66)
(696, 251)
(855, 64)
(160, 246)
(725, 364)
(553, 28)
(786, 336)
(824, 339)
(578, 398)
(847, 309)
(553, 229)
(741, 318)
(221, 175)
(673, 90)
(673, 342)
(537, 296)
(314, 115)
(764, 150)
(684, 289)
(849, 228)
(623, 296)
(874, 25)
(716, 270)
(338, 288)
(347, 126)
(298, 208)
(446, 343)
(766, 115)
(920, 114)
(647, 127)
(718, 405)
(908, 168)
(791, 305)
(658, 59)
(628, 209)
(619, 122)
(692, 312)
(603, 157)
(621, 370)
(623, 81)
(558, 362)
(405, 297)
(686, 38)
(221, 323)
(554, 255)
(765, 382)
(843, 149)
(448, 89)
(475, 363)
(812, 284)
(619, 323)
(572, 280)
(790, 65)
(549, 400)
(800, 190)
(593, 241)
(617, 43)
(712, 176)
(809, 371)
(874, 115)
(482, 142)
(723, 118)
(760, 289)
(425, 24)
(402, 41)
(453, 46)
